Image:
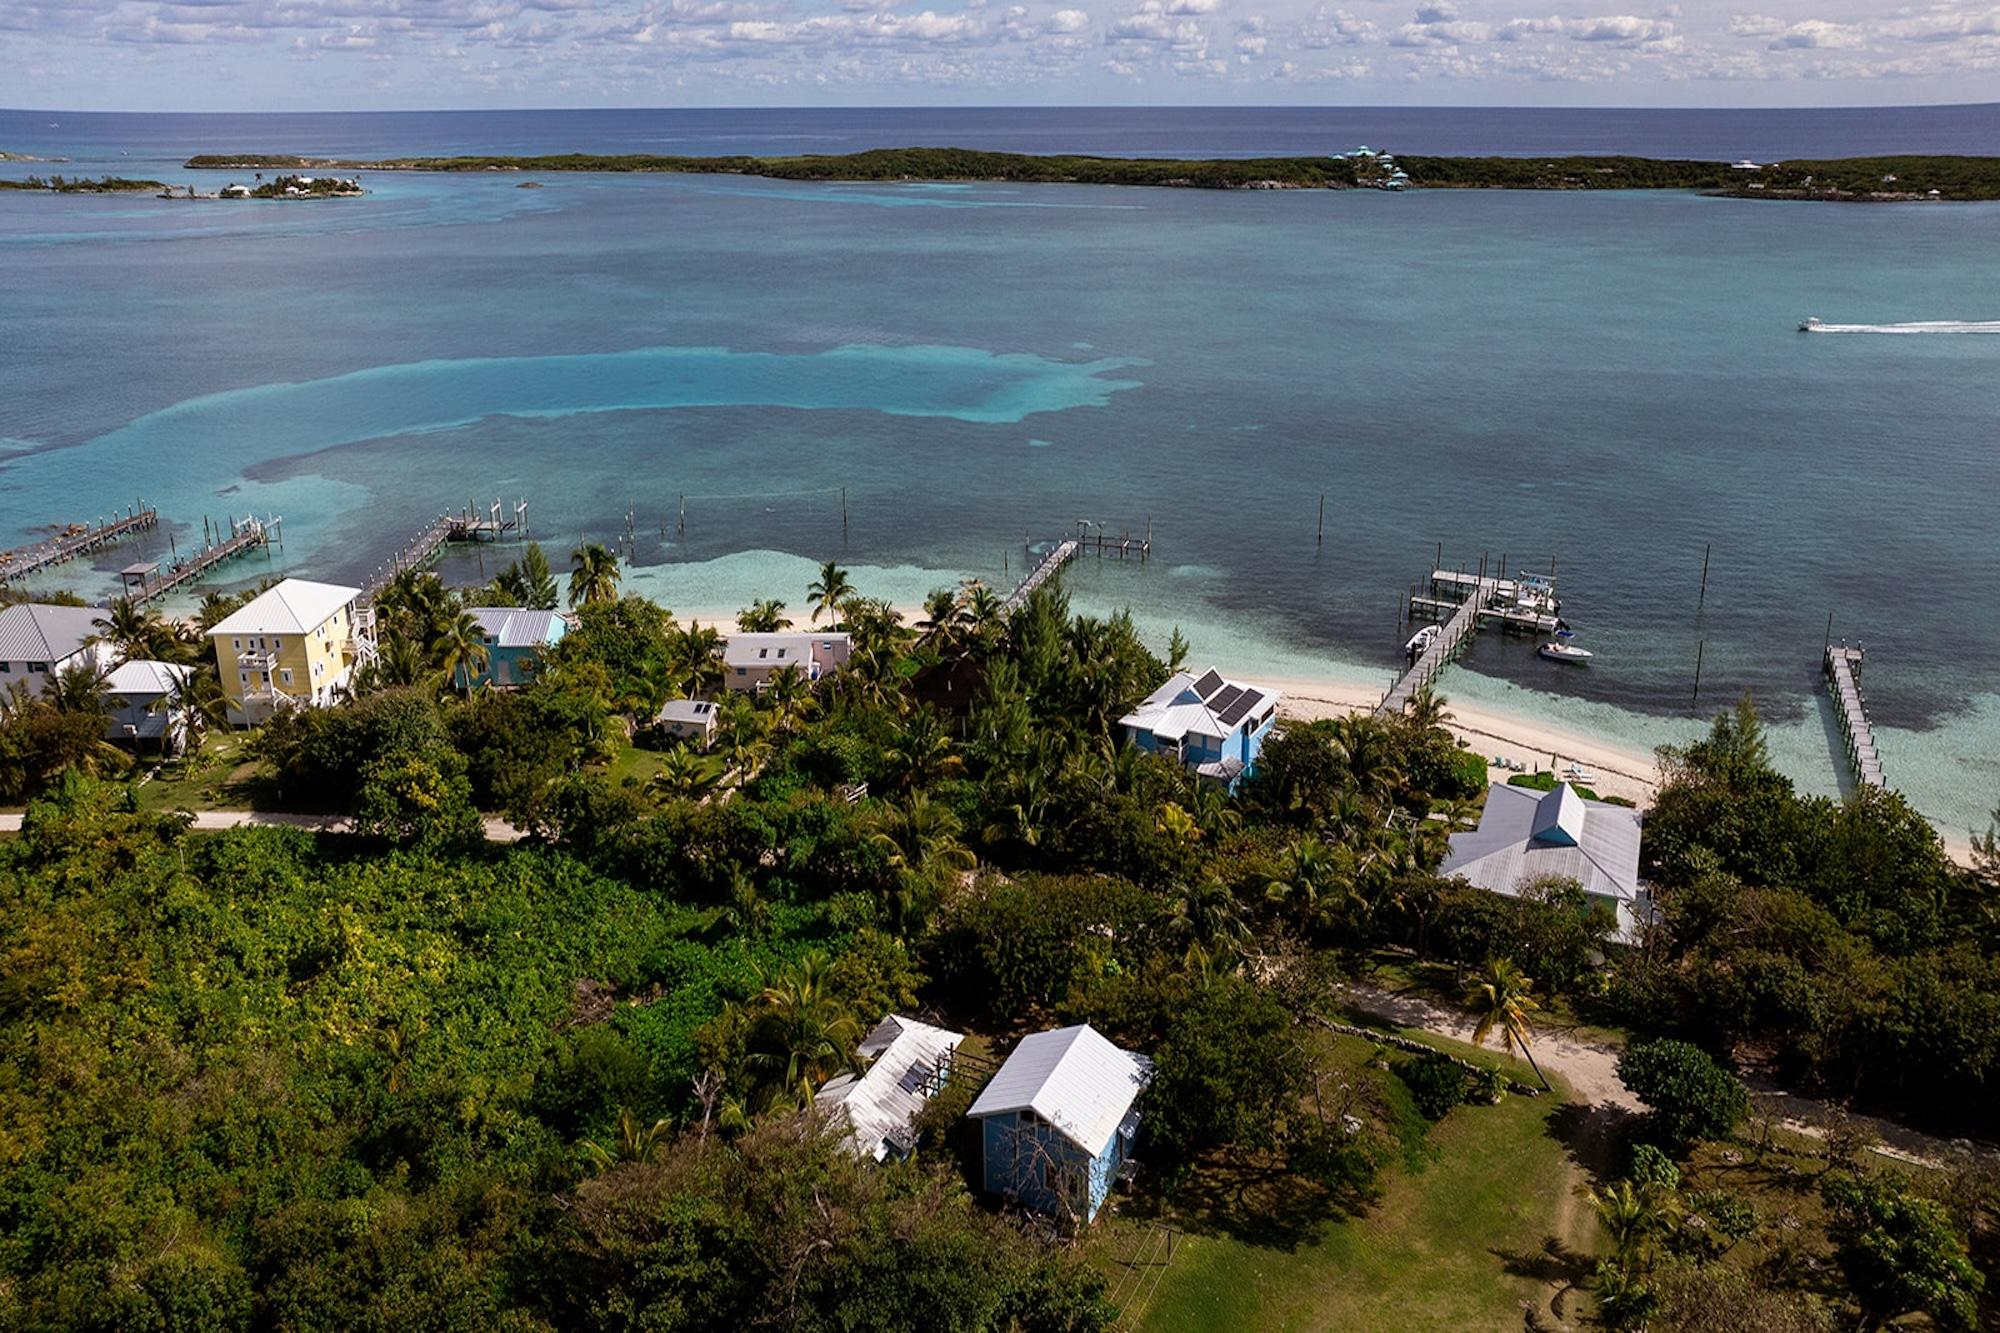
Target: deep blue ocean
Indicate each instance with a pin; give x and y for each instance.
(1612, 382)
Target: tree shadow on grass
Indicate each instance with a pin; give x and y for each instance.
(1555, 1263)
(1257, 1202)
(1596, 1135)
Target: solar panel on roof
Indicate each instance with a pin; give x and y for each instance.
(1240, 707)
(1224, 697)
(1209, 683)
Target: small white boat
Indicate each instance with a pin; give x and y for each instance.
(1565, 652)
(1809, 324)
(1421, 641)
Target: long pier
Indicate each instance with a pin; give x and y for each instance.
(1460, 627)
(1843, 674)
(153, 582)
(26, 560)
(1064, 552)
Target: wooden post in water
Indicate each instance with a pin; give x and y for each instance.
(1702, 600)
(681, 527)
(843, 513)
(1698, 647)
(1321, 538)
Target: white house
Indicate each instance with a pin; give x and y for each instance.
(910, 1062)
(139, 693)
(691, 720)
(1526, 835)
(750, 660)
(37, 642)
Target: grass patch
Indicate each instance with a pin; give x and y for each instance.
(220, 774)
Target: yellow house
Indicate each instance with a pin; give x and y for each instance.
(293, 646)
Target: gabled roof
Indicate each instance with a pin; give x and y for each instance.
(880, 1104)
(31, 632)
(1525, 835)
(687, 710)
(147, 678)
(518, 626)
(1206, 706)
(1074, 1079)
(295, 606)
(789, 648)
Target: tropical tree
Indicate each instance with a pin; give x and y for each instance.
(1633, 1216)
(78, 688)
(636, 1142)
(942, 620)
(458, 646)
(925, 751)
(694, 659)
(920, 841)
(1313, 880)
(763, 617)
(1426, 709)
(789, 696)
(985, 614)
(528, 581)
(829, 591)
(1208, 914)
(593, 575)
(682, 775)
(800, 1035)
(1501, 1000)
(134, 630)
(195, 703)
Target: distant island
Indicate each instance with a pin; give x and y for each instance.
(82, 185)
(1879, 179)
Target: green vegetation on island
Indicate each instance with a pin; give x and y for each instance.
(1861, 178)
(82, 185)
(412, 1075)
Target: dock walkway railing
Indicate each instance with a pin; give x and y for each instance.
(1442, 649)
(18, 564)
(244, 535)
(1063, 552)
(1843, 674)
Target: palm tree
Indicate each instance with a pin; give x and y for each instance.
(1502, 1000)
(925, 751)
(920, 840)
(132, 629)
(1312, 880)
(459, 646)
(78, 688)
(741, 736)
(593, 575)
(1633, 1216)
(790, 698)
(985, 615)
(694, 659)
(800, 1033)
(194, 704)
(942, 619)
(1207, 914)
(763, 617)
(636, 1142)
(682, 775)
(829, 590)
(1427, 709)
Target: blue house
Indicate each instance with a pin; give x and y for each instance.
(1057, 1122)
(1212, 725)
(516, 639)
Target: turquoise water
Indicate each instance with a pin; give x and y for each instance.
(1609, 381)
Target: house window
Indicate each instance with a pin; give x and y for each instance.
(288, 675)
(763, 652)
(742, 671)
(243, 678)
(238, 644)
(6, 668)
(277, 643)
(38, 666)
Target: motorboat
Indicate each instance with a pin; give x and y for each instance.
(1809, 324)
(1557, 651)
(1421, 641)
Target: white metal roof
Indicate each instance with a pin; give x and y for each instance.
(686, 710)
(516, 626)
(1073, 1078)
(792, 648)
(1525, 835)
(295, 606)
(1206, 705)
(32, 632)
(146, 678)
(880, 1104)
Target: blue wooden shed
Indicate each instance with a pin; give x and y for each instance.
(1058, 1120)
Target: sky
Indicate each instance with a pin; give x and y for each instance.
(141, 55)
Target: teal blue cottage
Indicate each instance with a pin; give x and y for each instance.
(1058, 1121)
(517, 639)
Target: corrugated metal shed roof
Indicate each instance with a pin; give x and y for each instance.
(1073, 1078)
(145, 678)
(32, 632)
(688, 710)
(516, 626)
(880, 1104)
(295, 606)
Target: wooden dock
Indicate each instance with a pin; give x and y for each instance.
(244, 535)
(461, 527)
(1141, 546)
(1843, 674)
(1063, 552)
(78, 539)
(1464, 621)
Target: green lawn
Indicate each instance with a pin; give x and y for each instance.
(1460, 1245)
(222, 776)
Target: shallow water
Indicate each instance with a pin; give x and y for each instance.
(1609, 382)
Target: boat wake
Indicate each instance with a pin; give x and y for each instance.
(1920, 326)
